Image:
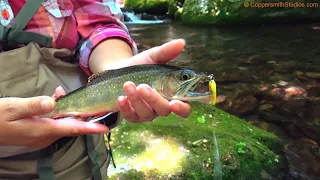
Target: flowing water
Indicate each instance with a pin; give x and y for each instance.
(269, 75)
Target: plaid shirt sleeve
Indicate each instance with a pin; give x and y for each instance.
(97, 21)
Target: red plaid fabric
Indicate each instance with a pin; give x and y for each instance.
(68, 21)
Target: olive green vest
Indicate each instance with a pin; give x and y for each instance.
(33, 70)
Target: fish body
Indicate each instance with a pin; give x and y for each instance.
(102, 91)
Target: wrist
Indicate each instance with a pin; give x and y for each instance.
(112, 53)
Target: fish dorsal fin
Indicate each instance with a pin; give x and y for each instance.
(96, 76)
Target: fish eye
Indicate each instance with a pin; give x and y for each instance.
(186, 75)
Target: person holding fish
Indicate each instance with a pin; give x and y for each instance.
(42, 42)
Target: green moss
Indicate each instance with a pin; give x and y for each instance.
(234, 12)
(176, 148)
(148, 6)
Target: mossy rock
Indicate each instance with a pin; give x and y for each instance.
(209, 144)
(175, 8)
(248, 11)
(158, 7)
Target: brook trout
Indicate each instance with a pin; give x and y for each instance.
(102, 91)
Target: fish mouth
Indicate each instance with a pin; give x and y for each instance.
(199, 90)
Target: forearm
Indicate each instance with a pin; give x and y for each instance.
(109, 54)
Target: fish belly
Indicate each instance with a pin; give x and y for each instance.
(90, 101)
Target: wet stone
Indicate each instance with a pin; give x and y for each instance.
(221, 99)
(299, 73)
(303, 157)
(313, 88)
(313, 75)
(309, 129)
(265, 107)
(228, 77)
(270, 127)
(273, 117)
(241, 105)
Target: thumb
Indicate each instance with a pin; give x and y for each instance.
(160, 54)
(17, 108)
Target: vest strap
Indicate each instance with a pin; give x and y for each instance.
(45, 164)
(11, 36)
(26, 13)
(93, 156)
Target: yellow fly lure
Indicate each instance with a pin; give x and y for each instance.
(213, 89)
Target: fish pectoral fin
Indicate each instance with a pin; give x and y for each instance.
(99, 117)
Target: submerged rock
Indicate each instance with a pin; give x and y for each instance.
(241, 105)
(313, 88)
(175, 148)
(303, 156)
(247, 12)
(313, 75)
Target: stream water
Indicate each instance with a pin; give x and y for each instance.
(267, 75)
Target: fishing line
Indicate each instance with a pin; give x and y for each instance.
(217, 171)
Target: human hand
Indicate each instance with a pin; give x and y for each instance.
(142, 103)
(20, 124)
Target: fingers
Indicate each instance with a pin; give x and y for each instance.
(128, 112)
(16, 108)
(159, 104)
(75, 128)
(167, 51)
(59, 92)
(159, 55)
(142, 109)
(142, 103)
(181, 109)
(34, 131)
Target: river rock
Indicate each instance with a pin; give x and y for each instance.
(241, 105)
(288, 92)
(221, 99)
(308, 129)
(314, 109)
(274, 117)
(246, 12)
(228, 77)
(264, 107)
(267, 126)
(313, 75)
(154, 7)
(303, 156)
(313, 88)
(182, 148)
(301, 75)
